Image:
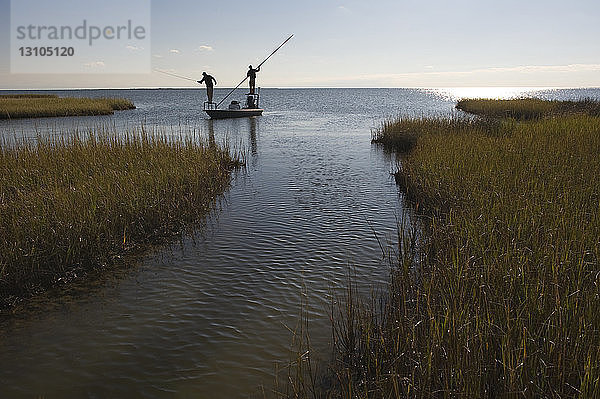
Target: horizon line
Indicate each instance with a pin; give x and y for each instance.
(300, 87)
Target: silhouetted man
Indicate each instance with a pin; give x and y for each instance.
(208, 80)
(252, 75)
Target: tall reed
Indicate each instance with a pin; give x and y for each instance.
(74, 202)
(34, 106)
(527, 108)
(499, 296)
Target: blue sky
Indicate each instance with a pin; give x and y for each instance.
(348, 43)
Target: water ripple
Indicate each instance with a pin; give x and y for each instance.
(211, 315)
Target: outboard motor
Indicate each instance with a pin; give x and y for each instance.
(250, 102)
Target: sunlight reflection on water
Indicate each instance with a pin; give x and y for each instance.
(457, 93)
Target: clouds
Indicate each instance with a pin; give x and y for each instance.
(523, 69)
(133, 48)
(182, 57)
(95, 64)
(568, 75)
(545, 68)
(203, 48)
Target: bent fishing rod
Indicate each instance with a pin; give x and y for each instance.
(259, 65)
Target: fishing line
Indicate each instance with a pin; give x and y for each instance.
(174, 74)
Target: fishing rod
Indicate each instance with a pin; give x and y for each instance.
(174, 74)
(259, 65)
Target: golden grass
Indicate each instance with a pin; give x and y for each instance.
(527, 108)
(35, 106)
(28, 95)
(68, 204)
(498, 294)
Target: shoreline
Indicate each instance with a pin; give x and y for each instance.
(499, 294)
(72, 204)
(308, 88)
(21, 106)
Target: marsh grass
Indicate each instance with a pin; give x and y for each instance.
(72, 203)
(528, 108)
(41, 105)
(402, 135)
(28, 95)
(299, 376)
(500, 296)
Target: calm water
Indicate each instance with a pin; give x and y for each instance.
(209, 316)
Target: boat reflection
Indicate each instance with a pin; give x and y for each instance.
(211, 132)
(253, 127)
(233, 131)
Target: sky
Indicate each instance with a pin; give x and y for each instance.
(352, 43)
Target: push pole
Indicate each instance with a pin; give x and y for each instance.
(274, 51)
(259, 65)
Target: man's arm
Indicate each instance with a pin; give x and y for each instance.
(201, 81)
(215, 80)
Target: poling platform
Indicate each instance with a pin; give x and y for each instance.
(234, 110)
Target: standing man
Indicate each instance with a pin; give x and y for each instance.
(252, 75)
(208, 80)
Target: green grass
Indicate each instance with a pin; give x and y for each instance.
(70, 204)
(527, 108)
(497, 293)
(41, 105)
